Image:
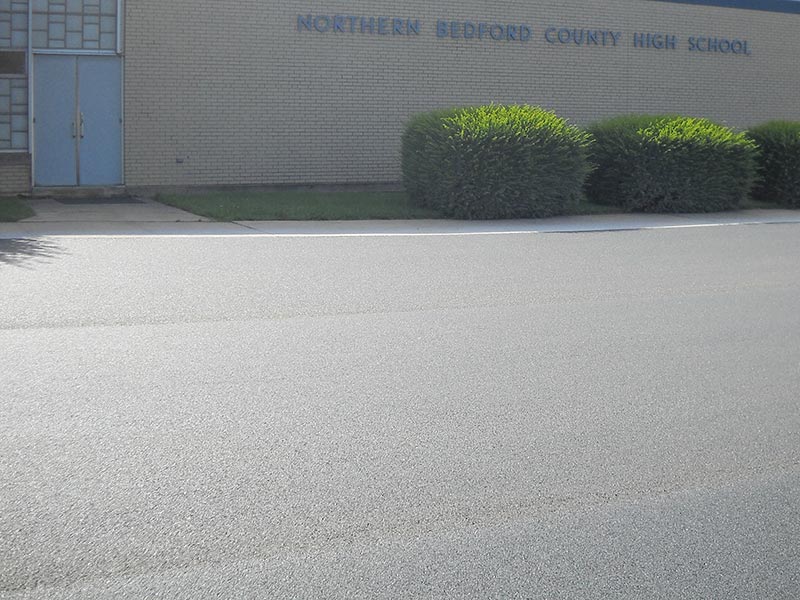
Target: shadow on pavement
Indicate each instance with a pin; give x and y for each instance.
(24, 251)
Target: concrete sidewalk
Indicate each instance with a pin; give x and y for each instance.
(139, 216)
(109, 215)
(583, 223)
(106, 209)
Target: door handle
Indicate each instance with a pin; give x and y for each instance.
(74, 132)
(83, 128)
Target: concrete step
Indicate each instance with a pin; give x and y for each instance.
(80, 192)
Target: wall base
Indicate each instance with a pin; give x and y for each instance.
(15, 173)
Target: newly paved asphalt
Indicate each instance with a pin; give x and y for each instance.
(594, 415)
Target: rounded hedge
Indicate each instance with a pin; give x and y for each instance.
(779, 164)
(616, 142)
(495, 162)
(670, 163)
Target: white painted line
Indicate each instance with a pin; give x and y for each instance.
(257, 234)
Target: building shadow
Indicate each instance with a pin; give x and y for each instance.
(26, 252)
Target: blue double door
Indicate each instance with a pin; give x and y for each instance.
(77, 120)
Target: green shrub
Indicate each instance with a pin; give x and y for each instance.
(616, 146)
(495, 162)
(670, 164)
(779, 164)
(423, 151)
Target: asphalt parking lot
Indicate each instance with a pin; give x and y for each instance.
(584, 415)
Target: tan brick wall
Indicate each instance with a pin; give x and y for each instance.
(15, 173)
(231, 92)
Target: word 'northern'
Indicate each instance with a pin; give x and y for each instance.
(517, 32)
(354, 24)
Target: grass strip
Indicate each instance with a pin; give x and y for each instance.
(294, 205)
(13, 209)
(299, 206)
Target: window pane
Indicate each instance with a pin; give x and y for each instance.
(74, 24)
(12, 63)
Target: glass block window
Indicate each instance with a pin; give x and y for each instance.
(75, 24)
(13, 82)
(13, 113)
(13, 24)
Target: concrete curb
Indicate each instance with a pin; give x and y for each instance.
(578, 224)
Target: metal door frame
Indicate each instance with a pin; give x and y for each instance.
(32, 88)
(31, 101)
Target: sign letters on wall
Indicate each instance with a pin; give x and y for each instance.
(520, 33)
